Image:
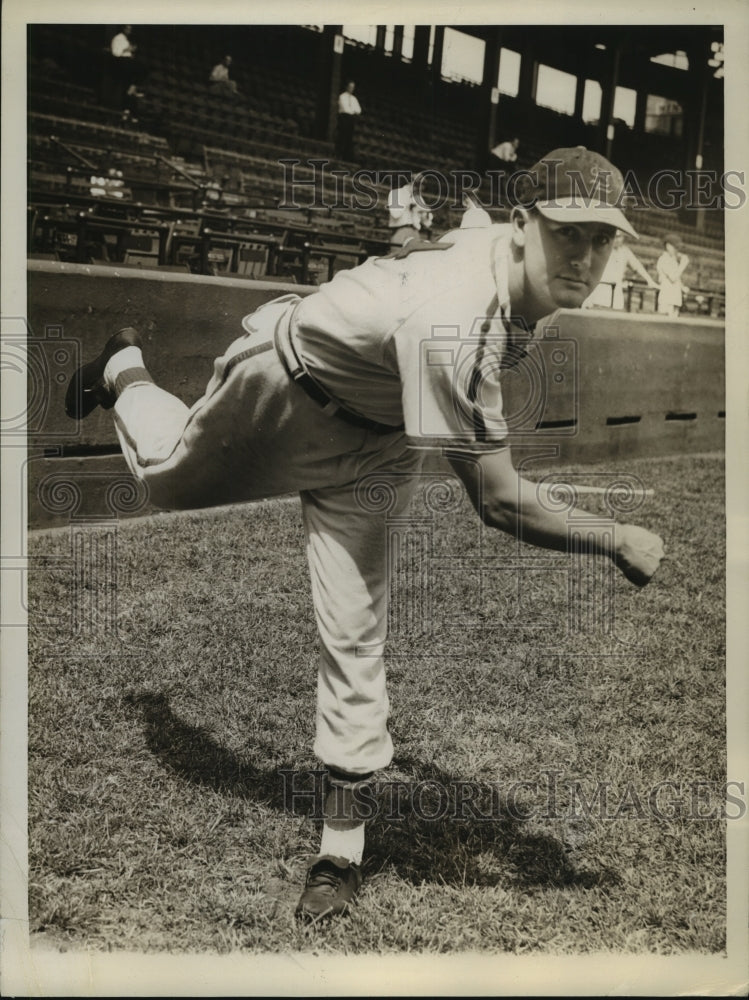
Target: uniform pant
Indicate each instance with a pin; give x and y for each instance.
(256, 434)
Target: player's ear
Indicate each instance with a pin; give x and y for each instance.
(519, 218)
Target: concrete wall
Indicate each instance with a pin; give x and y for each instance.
(602, 385)
(597, 385)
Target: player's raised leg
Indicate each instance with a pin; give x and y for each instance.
(253, 434)
(183, 455)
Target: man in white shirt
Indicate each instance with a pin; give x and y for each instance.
(507, 151)
(121, 46)
(506, 154)
(610, 292)
(338, 396)
(408, 216)
(126, 68)
(348, 111)
(219, 80)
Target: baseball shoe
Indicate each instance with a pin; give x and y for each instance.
(331, 887)
(87, 388)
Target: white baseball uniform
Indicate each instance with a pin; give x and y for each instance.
(411, 342)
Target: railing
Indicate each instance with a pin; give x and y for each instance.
(125, 233)
(697, 301)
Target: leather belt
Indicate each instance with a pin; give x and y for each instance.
(299, 374)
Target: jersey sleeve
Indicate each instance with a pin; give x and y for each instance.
(450, 379)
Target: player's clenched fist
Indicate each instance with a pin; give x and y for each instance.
(638, 553)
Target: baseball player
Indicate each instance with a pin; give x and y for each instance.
(323, 391)
(610, 292)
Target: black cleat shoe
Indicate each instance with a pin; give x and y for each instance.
(87, 388)
(331, 887)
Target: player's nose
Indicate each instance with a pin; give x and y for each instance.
(582, 256)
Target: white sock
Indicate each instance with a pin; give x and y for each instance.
(348, 844)
(128, 357)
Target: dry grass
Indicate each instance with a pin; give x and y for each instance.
(157, 816)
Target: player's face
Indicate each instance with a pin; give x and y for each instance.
(564, 261)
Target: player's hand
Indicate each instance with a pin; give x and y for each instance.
(638, 553)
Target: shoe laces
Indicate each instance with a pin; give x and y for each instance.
(324, 877)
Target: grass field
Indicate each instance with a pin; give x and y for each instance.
(156, 809)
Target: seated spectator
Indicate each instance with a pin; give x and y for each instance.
(505, 154)
(609, 293)
(507, 151)
(121, 46)
(407, 216)
(670, 266)
(110, 186)
(219, 82)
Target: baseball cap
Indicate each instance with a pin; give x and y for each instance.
(674, 239)
(575, 185)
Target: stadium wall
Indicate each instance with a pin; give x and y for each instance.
(593, 385)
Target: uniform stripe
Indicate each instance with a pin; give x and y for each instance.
(250, 352)
(416, 246)
(475, 381)
(455, 443)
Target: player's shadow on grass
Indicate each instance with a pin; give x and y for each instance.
(462, 832)
(193, 754)
(429, 839)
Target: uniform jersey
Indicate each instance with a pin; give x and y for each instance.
(417, 338)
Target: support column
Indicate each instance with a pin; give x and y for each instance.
(330, 58)
(420, 59)
(419, 72)
(527, 85)
(488, 100)
(439, 45)
(397, 41)
(641, 110)
(695, 106)
(581, 75)
(577, 114)
(608, 94)
(695, 116)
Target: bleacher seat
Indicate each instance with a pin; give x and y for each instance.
(239, 143)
